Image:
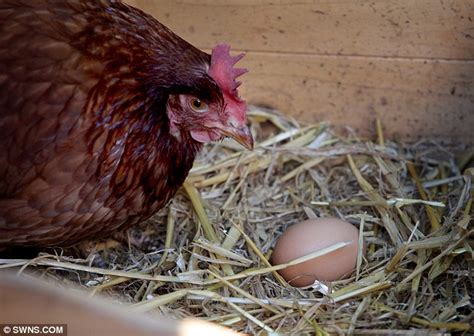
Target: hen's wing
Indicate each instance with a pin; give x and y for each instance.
(43, 85)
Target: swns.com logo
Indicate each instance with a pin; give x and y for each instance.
(33, 329)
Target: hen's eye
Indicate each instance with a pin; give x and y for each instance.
(198, 105)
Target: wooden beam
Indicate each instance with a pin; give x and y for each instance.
(409, 63)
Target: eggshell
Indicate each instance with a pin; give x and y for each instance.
(312, 235)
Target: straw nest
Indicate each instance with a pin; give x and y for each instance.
(207, 254)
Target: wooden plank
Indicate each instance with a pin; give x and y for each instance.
(414, 99)
(384, 28)
(410, 63)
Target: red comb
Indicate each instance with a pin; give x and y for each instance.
(223, 72)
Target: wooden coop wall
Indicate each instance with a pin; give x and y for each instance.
(408, 62)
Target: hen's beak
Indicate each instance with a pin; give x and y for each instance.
(241, 135)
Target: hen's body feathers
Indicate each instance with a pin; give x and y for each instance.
(85, 144)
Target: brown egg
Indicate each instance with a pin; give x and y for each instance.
(313, 235)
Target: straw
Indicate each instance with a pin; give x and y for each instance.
(413, 205)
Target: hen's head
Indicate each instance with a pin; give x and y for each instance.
(211, 109)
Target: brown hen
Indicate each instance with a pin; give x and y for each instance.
(102, 112)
